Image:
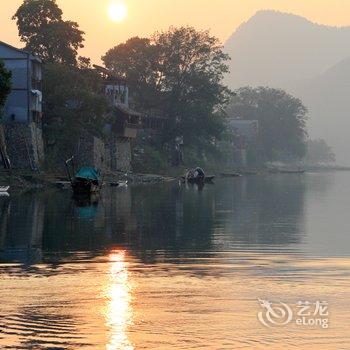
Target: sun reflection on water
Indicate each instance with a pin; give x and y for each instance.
(119, 313)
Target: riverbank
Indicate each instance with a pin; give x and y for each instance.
(29, 180)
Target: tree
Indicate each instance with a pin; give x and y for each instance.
(177, 74)
(319, 152)
(5, 84)
(44, 32)
(136, 60)
(191, 69)
(74, 104)
(282, 120)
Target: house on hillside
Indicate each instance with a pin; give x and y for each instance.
(114, 152)
(23, 108)
(125, 123)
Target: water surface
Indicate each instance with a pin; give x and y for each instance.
(174, 267)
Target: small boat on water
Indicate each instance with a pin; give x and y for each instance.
(87, 180)
(197, 176)
(206, 179)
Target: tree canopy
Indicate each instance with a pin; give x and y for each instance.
(177, 74)
(74, 104)
(44, 32)
(319, 152)
(5, 85)
(136, 59)
(282, 120)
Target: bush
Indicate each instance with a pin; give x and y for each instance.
(148, 159)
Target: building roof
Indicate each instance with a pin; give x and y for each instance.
(126, 110)
(32, 56)
(109, 75)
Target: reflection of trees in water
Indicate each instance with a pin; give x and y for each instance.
(21, 228)
(172, 218)
(73, 224)
(160, 219)
(319, 183)
(262, 210)
(145, 218)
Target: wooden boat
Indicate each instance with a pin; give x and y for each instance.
(4, 188)
(197, 176)
(207, 179)
(194, 180)
(87, 180)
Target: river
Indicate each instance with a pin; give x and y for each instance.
(257, 262)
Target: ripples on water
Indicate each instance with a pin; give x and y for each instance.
(170, 267)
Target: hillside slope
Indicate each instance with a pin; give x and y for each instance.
(309, 60)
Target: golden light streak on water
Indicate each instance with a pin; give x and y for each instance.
(119, 313)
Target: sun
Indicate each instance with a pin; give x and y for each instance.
(117, 12)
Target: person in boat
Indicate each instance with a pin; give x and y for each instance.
(199, 174)
(189, 174)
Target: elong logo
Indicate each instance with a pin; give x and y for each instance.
(280, 314)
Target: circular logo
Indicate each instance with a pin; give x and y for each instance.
(274, 314)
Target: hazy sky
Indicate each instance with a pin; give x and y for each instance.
(146, 16)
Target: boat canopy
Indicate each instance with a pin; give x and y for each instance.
(89, 174)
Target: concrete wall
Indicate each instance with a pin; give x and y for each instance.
(123, 154)
(25, 146)
(120, 153)
(37, 143)
(17, 104)
(111, 155)
(102, 159)
(92, 151)
(23, 105)
(16, 107)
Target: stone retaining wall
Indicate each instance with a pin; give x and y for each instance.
(121, 154)
(25, 146)
(111, 155)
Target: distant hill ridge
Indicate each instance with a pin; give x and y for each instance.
(309, 60)
(274, 47)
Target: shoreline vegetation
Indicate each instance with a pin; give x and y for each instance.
(27, 180)
(177, 75)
